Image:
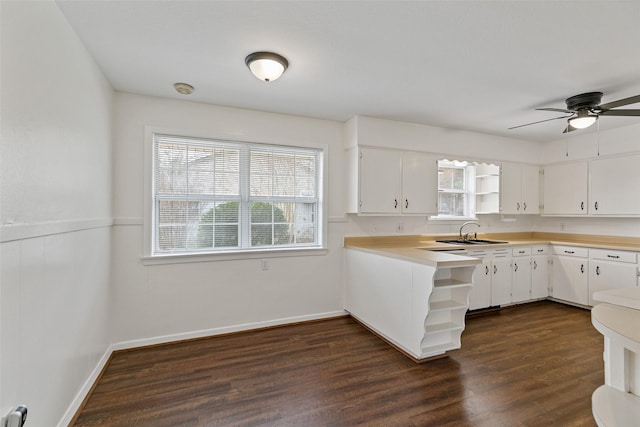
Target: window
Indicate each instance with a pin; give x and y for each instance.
(456, 189)
(213, 196)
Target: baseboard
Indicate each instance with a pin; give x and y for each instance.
(164, 339)
(79, 400)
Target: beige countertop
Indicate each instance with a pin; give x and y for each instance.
(425, 250)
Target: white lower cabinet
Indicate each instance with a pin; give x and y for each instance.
(491, 278)
(570, 274)
(418, 308)
(521, 282)
(609, 269)
(540, 272)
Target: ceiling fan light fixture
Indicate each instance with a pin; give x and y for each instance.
(583, 120)
(266, 66)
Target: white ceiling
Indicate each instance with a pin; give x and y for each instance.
(475, 65)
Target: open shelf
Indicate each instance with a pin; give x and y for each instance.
(443, 327)
(447, 305)
(450, 283)
(613, 408)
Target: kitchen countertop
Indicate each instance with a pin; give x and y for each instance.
(425, 250)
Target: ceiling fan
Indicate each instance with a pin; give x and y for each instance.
(583, 110)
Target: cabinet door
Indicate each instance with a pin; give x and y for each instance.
(570, 279)
(614, 186)
(521, 285)
(530, 189)
(419, 183)
(565, 189)
(605, 275)
(501, 282)
(510, 188)
(380, 181)
(480, 295)
(539, 276)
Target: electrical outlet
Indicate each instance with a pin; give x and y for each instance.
(264, 264)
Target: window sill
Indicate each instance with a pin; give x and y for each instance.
(452, 220)
(232, 255)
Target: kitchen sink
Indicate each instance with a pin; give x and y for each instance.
(471, 242)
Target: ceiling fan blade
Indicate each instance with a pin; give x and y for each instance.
(541, 121)
(558, 110)
(621, 102)
(620, 113)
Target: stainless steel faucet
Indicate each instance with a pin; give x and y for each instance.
(466, 237)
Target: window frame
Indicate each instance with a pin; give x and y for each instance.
(468, 191)
(151, 257)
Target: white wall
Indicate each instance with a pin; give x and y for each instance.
(55, 214)
(156, 303)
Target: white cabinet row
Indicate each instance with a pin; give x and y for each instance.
(509, 275)
(607, 186)
(579, 272)
(395, 182)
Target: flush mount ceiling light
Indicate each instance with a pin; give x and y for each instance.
(183, 88)
(583, 119)
(266, 66)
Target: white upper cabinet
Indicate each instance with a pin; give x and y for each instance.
(419, 183)
(519, 189)
(380, 181)
(565, 189)
(392, 182)
(614, 186)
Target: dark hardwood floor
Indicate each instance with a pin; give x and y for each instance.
(530, 365)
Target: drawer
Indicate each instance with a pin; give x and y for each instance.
(521, 251)
(501, 253)
(610, 255)
(540, 250)
(571, 251)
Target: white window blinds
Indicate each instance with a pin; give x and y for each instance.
(216, 195)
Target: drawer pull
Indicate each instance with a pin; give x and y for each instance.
(569, 252)
(521, 252)
(540, 250)
(613, 256)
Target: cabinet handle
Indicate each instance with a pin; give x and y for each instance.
(535, 265)
(581, 268)
(515, 266)
(596, 205)
(495, 269)
(406, 203)
(518, 206)
(395, 203)
(540, 250)
(581, 206)
(525, 206)
(613, 256)
(569, 252)
(486, 270)
(598, 270)
(520, 252)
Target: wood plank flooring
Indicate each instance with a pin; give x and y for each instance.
(530, 365)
